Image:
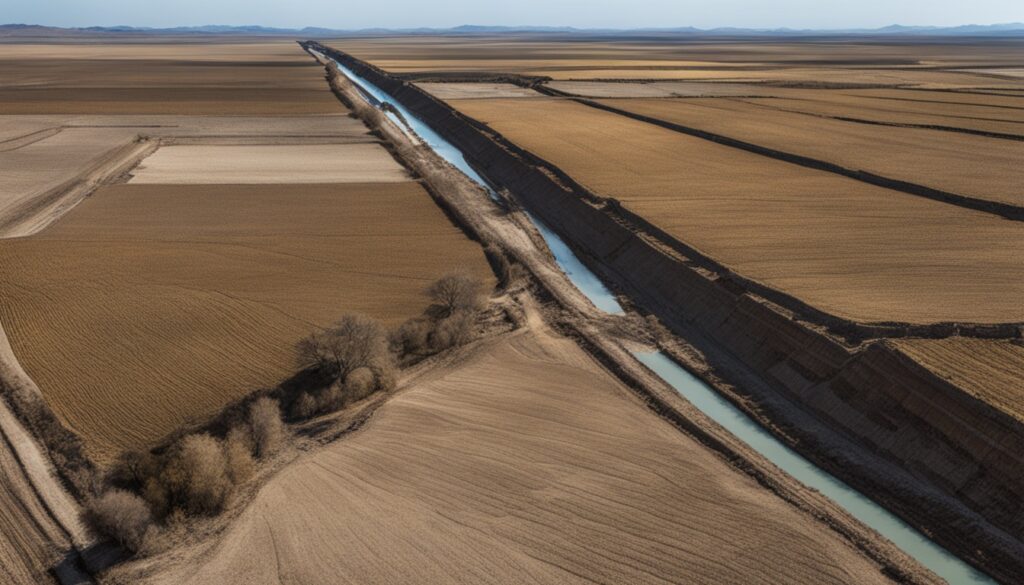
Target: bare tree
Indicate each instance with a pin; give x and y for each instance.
(456, 292)
(267, 429)
(355, 341)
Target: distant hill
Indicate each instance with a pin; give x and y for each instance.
(1015, 29)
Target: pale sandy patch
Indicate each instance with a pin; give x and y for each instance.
(449, 91)
(321, 163)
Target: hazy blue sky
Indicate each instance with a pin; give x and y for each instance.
(581, 13)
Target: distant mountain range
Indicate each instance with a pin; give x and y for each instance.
(1015, 29)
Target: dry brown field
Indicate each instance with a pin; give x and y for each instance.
(914, 108)
(274, 78)
(992, 370)
(938, 65)
(975, 166)
(449, 91)
(151, 305)
(523, 463)
(858, 251)
(961, 111)
(252, 164)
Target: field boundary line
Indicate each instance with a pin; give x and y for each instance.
(1004, 210)
(42, 210)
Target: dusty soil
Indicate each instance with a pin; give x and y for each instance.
(152, 305)
(875, 61)
(272, 78)
(27, 535)
(991, 370)
(448, 91)
(524, 462)
(855, 250)
(906, 108)
(974, 166)
(315, 163)
(660, 89)
(48, 158)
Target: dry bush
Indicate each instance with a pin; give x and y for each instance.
(508, 272)
(453, 331)
(197, 475)
(268, 431)
(121, 515)
(331, 399)
(387, 376)
(304, 406)
(156, 494)
(238, 455)
(359, 384)
(412, 337)
(456, 292)
(355, 341)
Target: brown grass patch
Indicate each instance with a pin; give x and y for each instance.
(151, 305)
(856, 250)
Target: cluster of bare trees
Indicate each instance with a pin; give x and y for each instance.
(449, 321)
(197, 475)
(352, 356)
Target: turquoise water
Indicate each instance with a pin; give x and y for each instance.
(582, 277)
(929, 554)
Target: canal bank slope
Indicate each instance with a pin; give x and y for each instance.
(960, 457)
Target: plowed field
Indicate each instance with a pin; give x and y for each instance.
(150, 305)
(856, 250)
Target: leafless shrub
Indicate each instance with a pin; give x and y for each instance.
(387, 376)
(453, 331)
(353, 342)
(268, 431)
(412, 337)
(509, 273)
(238, 455)
(197, 474)
(156, 494)
(121, 515)
(304, 406)
(456, 292)
(331, 398)
(359, 384)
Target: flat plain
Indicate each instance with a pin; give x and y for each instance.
(856, 250)
(152, 305)
(526, 463)
(271, 78)
(863, 61)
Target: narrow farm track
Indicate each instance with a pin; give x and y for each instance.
(525, 463)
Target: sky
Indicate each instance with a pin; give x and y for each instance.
(819, 14)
